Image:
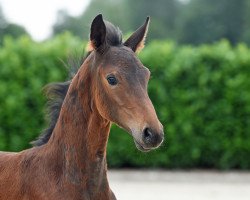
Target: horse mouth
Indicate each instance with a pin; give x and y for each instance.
(140, 147)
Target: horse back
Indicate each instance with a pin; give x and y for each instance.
(26, 176)
(9, 179)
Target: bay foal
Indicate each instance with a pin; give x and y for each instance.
(68, 162)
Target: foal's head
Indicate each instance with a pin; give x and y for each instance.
(120, 83)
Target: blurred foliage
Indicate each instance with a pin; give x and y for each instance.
(128, 14)
(10, 29)
(27, 66)
(201, 95)
(190, 21)
(204, 21)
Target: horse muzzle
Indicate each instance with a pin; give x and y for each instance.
(149, 139)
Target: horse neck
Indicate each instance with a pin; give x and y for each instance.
(80, 136)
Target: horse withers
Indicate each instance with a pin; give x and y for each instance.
(68, 161)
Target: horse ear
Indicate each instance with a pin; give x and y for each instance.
(137, 39)
(97, 33)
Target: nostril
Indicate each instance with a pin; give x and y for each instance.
(151, 138)
(147, 135)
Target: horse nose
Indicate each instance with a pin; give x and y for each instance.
(152, 138)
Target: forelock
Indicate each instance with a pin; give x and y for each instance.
(113, 34)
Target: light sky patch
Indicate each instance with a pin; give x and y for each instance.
(38, 16)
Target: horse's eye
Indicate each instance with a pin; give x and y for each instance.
(112, 80)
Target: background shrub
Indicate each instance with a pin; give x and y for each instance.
(25, 68)
(201, 95)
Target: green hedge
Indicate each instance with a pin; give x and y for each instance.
(25, 67)
(201, 94)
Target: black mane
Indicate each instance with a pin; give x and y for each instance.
(56, 92)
